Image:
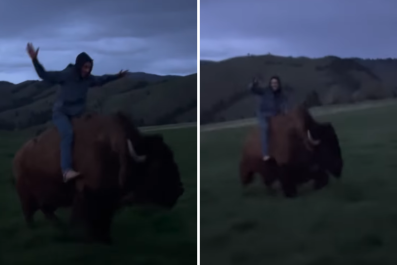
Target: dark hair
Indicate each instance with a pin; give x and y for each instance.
(278, 80)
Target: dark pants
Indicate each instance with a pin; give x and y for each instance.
(65, 129)
(264, 127)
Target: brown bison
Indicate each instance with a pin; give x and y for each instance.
(118, 164)
(302, 150)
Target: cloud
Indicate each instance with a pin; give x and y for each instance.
(152, 36)
(314, 28)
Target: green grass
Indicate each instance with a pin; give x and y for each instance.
(140, 237)
(351, 221)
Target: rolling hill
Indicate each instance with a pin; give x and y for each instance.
(313, 82)
(150, 99)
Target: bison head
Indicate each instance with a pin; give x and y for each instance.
(155, 177)
(327, 152)
(158, 180)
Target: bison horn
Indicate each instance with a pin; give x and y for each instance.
(311, 140)
(133, 153)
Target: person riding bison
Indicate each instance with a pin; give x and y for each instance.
(272, 101)
(74, 82)
(117, 165)
(289, 146)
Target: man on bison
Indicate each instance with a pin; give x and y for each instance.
(272, 101)
(302, 150)
(74, 82)
(118, 164)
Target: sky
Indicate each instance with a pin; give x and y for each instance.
(312, 28)
(149, 36)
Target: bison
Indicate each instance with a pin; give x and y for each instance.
(301, 150)
(119, 166)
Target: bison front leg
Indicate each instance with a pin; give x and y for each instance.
(86, 221)
(49, 213)
(100, 229)
(78, 218)
(96, 210)
(288, 183)
(321, 179)
(269, 172)
(78, 214)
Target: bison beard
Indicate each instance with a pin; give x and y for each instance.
(119, 166)
(302, 150)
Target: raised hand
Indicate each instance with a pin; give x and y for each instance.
(255, 81)
(31, 51)
(122, 73)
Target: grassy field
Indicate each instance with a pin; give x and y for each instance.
(351, 221)
(141, 237)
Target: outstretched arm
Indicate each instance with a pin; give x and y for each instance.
(54, 77)
(102, 80)
(254, 88)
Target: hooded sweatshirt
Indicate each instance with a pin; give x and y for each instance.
(72, 93)
(270, 102)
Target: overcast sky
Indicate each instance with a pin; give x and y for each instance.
(154, 36)
(313, 28)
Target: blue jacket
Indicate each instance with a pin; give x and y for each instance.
(270, 103)
(72, 94)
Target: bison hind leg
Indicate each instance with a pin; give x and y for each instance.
(29, 203)
(246, 173)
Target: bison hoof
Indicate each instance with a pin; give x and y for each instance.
(269, 183)
(31, 225)
(290, 194)
(319, 186)
(271, 191)
(105, 240)
(290, 191)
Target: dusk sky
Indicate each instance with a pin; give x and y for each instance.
(312, 28)
(150, 36)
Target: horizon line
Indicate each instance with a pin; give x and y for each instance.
(295, 57)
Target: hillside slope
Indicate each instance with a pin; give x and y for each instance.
(150, 99)
(322, 81)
